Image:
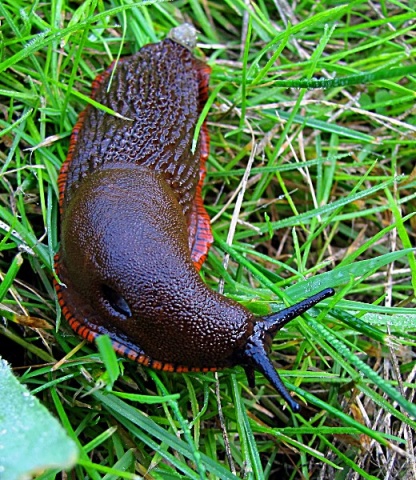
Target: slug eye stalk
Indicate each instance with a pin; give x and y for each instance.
(255, 356)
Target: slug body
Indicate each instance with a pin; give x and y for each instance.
(134, 231)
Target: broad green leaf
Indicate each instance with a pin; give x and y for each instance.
(343, 275)
(31, 439)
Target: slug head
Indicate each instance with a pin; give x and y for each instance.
(254, 355)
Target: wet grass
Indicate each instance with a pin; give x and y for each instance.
(311, 169)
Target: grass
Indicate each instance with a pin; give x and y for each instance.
(319, 96)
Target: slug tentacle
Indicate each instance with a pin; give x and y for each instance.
(274, 322)
(255, 355)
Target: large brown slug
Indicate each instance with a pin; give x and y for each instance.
(134, 229)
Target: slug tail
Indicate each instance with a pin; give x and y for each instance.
(185, 35)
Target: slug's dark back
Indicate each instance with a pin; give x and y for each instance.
(159, 92)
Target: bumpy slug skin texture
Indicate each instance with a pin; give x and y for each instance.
(162, 89)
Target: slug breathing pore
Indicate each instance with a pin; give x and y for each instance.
(134, 230)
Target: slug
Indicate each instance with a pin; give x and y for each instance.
(134, 231)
